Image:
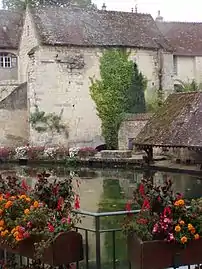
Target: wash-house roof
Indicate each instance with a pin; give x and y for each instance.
(178, 123)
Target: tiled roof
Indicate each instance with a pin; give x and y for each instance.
(83, 27)
(184, 37)
(177, 123)
(10, 29)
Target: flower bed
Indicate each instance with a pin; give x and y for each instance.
(39, 223)
(44, 153)
(167, 231)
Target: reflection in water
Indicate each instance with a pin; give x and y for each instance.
(108, 190)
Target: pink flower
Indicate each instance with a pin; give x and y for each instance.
(63, 220)
(171, 237)
(167, 220)
(26, 235)
(29, 224)
(155, 228)
(21, 229)
(69, 220)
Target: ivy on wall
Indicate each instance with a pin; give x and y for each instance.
(44, 122)
(120, 90)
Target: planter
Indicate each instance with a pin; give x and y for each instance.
(161, 254)
(66, 248)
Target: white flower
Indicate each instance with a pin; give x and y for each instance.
(73, 152)
(50, 152)
(21, 152)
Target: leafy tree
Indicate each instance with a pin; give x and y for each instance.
(136, 92)
(110, 92)
(20, 4)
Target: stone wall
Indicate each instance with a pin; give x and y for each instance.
(130, 128)
(28, 41)
(58, 79)
(14, 118)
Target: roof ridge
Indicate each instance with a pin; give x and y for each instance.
(182, 22)
(95, 10)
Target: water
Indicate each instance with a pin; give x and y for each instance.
(103, 191)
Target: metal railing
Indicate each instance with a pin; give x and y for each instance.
(111, 233)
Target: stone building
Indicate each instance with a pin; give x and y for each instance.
(57, 50)
(185, 38)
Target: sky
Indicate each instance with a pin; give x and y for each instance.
(171, 10)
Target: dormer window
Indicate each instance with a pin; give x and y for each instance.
(7, 60)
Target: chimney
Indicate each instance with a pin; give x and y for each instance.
(159, 17)
(104, 8)
(4, 29)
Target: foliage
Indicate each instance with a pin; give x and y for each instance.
(188, 86)
(163, 214)
(42, 122)
(136, 92)
(109, 93)
(20, 4)
(40, 213)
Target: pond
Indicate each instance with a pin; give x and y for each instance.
(106, 190)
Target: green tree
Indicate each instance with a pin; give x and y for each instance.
(20, 4)
(110, 92)
(136, 92)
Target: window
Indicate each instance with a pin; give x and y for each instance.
(175, 65)
(7, 60)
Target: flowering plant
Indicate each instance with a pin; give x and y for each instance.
(41, 212)
(163, 214)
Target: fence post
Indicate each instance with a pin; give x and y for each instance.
(97, 242)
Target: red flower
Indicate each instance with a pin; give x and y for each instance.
(7, 195)
(141, 189)
(76, 202)
(24, 185)
(60, 203)
(51, 228)
(128, 206)
(167, 211)
(146, 204)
